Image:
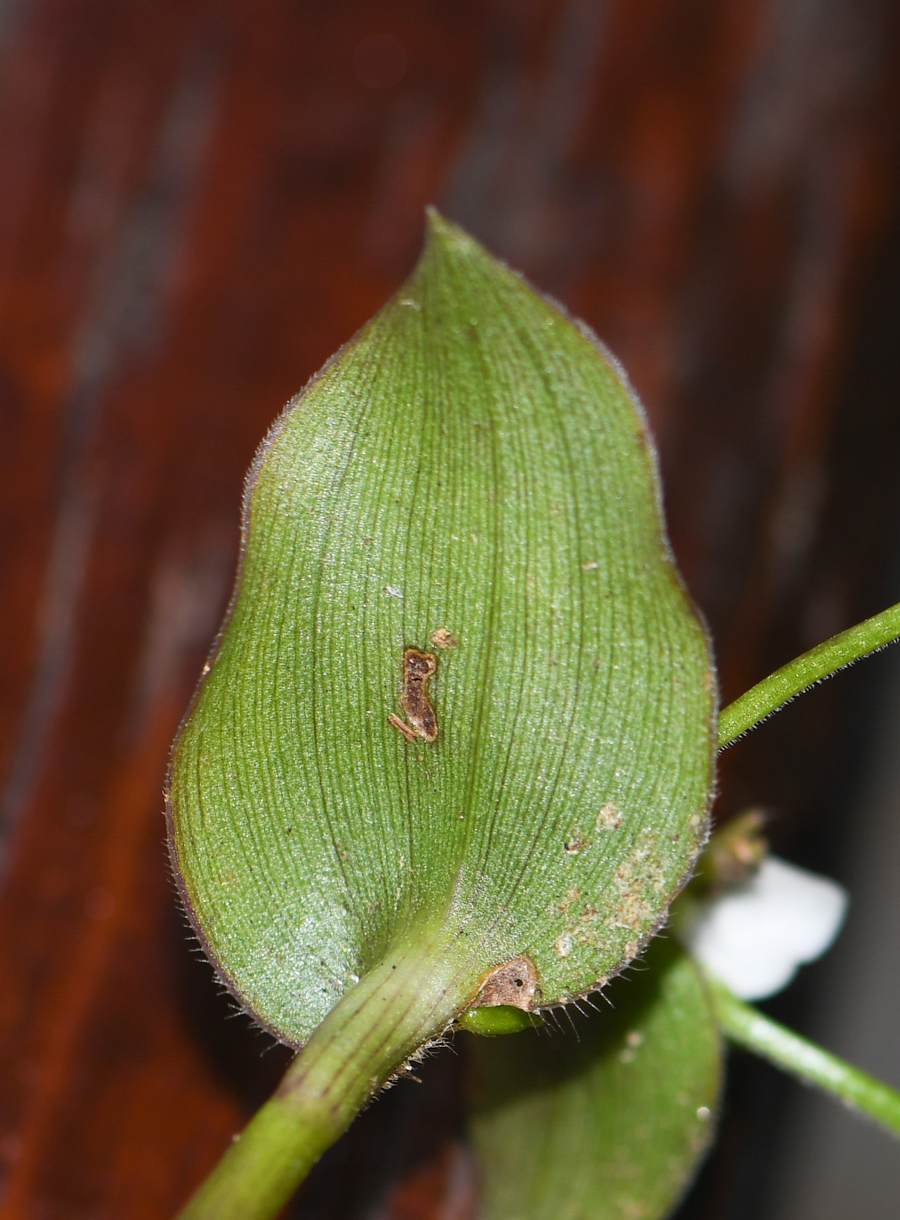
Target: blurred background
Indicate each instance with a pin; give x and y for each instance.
(201, 200)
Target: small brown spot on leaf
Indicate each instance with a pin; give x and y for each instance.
(515, 983)
(570, 898)
(576, 843)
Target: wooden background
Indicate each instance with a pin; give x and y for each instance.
(201, 200)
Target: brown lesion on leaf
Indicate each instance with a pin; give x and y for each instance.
(514, 983)
(421, 721)
(402, 727)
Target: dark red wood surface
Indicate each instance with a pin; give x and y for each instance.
(202, 199)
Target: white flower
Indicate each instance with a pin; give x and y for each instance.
(755, 936)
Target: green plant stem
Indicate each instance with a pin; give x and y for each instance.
(805, 671)
(748, 1028)
(405, 1001)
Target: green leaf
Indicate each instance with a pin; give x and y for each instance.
(469, 480)
(608, 1124)
(455, 745)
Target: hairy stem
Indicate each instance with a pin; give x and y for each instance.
(805, 671)
(748, 1028)
(403, 1003)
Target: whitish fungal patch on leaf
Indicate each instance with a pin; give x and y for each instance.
(515, 984)
(442, 638)
(609, 817)
(634, 911)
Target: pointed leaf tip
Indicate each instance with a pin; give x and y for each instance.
(437, 225)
